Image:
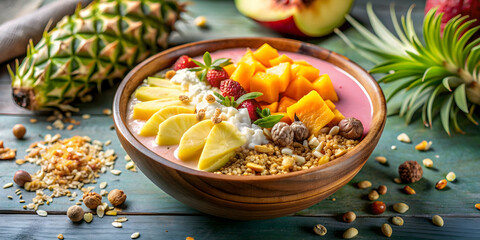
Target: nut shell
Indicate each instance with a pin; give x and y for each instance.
(75, 213)
(92, 200)
(116, 197)
(410, 171)
(351, 128)
(282, 134)
(21, 177)
(300, 131)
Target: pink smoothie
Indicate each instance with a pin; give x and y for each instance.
(353, 100)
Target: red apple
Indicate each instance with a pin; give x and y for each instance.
(452, 8)
(311, 18)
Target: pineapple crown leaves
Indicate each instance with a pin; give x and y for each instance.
(267, 120)
(439, 75)
(229, 101)
(207, 64)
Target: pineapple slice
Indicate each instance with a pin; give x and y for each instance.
(221, 144)
(171, 130)
(161, 82)
(144, 110)
(151, 126)
(193, 140)
(154, 93)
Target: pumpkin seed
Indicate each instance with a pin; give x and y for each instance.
(350, 233)
(381, 159)
(400, 207)
(437, 220)
(451, 176)
(397, 221)
(42, 213)
(373, 195)
(121, 219)
(117, 224)
(135, 235)
(8, 185)
(115, 172)
(319, 229)
(100, 211)
(403, 137)
(386, 230)
(88, 217)
(103, 185)
(427, 162)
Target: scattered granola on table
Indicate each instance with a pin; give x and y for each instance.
(66, 164)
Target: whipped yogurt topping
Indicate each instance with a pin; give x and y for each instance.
(198, 91)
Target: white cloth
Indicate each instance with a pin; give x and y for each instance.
(15, 34)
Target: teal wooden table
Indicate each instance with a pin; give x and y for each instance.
(158, 216)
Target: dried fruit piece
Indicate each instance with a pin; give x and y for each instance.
(477, 206)
(424, 146)
(349, 217)
(437, 220)
(427, 162)
(403, 137)
(408, 190)
(319, 229)
(378, 207)
(400, 207)
(381, 159)
(200, 21)
(441, 184)
(387, 230)
(382, 189)
(373, 195)
(88, 217)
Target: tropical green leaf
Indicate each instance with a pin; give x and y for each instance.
(445, 114)
(461, 98)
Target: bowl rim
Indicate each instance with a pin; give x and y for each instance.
(376, 125)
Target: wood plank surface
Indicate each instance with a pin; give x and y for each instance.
(15, 226)
(152, 212)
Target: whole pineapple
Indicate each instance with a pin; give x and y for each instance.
(100, 42)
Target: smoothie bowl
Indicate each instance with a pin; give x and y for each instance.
(249, 128)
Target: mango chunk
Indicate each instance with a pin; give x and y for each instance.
(283, 71)
(265, 53)
(250, 60)
(280, 59)
(284, 103)
(266, 84)
(243, 74)
(299, 88)
(273, 107)
(312, 111)
(323, 85)
(229, 69)
(308, 72)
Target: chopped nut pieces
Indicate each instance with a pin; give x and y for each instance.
(282, 134)
(381, 159)
(201, 114)
(184, 99)
(21, 177)
(397, 221)
(349, 217)
(255, 167)
(116, 197)
(451, 176)
(387, 230)
(477, 206)
(264, 149)
(210, 98)
(111, 213)
(216, 119)
(170, 74)
(103, 185)
(427, 162)
(88, 217)
(382, 189)
(397, 180)
(400, 207)
(364, 184)
(135, 235)
(410, 171)
(319, 229)
(403, 137)
(408, 190)
(441, 184)
(66, 164)
(19, 131)
(92, 200)
(424, 146)
(350, 233)
(75, 213)
(115, 172)
(378, 207)
(350, 128)
(20, 161)
(7, 153)
(437, 220)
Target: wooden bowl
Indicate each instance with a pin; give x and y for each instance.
(248, 197)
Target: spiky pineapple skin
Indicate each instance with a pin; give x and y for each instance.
(98, 43)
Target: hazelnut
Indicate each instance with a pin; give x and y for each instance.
(92, 200)
(351, 128)
(282, 134)
(19, 131)
(75, 213)
(300, 131)
(349, 217)
(116, 197)
(410, 171)
(382, 190)
(21, 177)
(378, 207)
